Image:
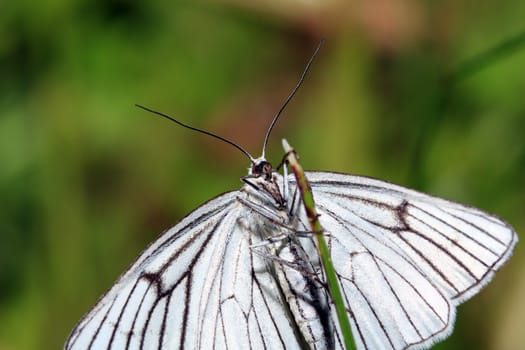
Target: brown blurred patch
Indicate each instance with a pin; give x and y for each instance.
(389, 24)
(244, 119)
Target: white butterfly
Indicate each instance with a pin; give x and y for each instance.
(236, 273)
(404, 261)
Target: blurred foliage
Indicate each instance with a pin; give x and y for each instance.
(425, 94)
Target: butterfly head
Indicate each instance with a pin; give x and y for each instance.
(261, 177)
(261, 168)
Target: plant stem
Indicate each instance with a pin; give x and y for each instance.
(313, 218)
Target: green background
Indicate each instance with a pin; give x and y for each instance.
(429, 95)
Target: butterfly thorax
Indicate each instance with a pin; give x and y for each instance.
(294, 261)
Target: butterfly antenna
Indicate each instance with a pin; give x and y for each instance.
(198, 130)
(292, 94)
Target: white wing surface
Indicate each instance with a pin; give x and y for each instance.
(405, 259)
(199, 286)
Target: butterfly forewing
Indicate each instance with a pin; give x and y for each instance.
(405, 259)
(198, 286)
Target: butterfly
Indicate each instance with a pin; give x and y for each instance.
(242, 270)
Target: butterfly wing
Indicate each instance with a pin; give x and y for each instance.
(405, 259)
(198, 286)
